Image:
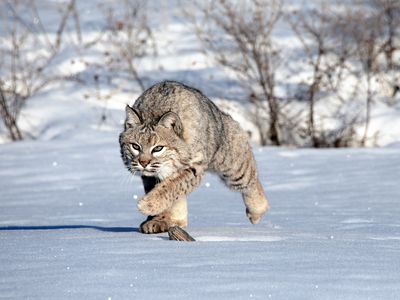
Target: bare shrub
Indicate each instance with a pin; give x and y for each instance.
(327, 60)
(26, 54)
(366, 37)
(128, 38)
(345, 49)
(238, 35)
(373, 35)
(387, 12)
(125, 39)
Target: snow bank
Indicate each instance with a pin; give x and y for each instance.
(68, 228)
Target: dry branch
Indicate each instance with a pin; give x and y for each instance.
(178, 234)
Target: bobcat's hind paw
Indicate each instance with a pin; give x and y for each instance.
(255, 218)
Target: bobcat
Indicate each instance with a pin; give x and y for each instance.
(173, 134)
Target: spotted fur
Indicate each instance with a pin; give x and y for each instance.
(172, 135)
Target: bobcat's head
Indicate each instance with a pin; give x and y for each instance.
(153, 147)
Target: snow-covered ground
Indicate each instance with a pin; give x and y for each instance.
(65, 106)
(68, 228)
(68, 216)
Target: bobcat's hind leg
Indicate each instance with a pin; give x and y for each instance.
(241, 175)
(255, 201)
(175, 216)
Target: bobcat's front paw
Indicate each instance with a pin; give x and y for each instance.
(150, 205)
(146, 207)
(154, 226)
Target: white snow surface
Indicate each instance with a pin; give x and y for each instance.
(68, 216)
(63, 107)
(68, 228)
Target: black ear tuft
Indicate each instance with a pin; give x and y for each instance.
(172, 121)
(133, 118)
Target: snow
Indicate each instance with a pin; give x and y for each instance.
(180, 57)
(68, 228)
(69, 222)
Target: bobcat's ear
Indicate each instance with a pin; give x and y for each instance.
(172, 121)
(133, 118)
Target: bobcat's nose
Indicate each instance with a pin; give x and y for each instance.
(144, 162)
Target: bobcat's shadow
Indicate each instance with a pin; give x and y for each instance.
(66, 227)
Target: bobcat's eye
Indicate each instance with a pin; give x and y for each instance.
(135, 146)
(157, 149)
